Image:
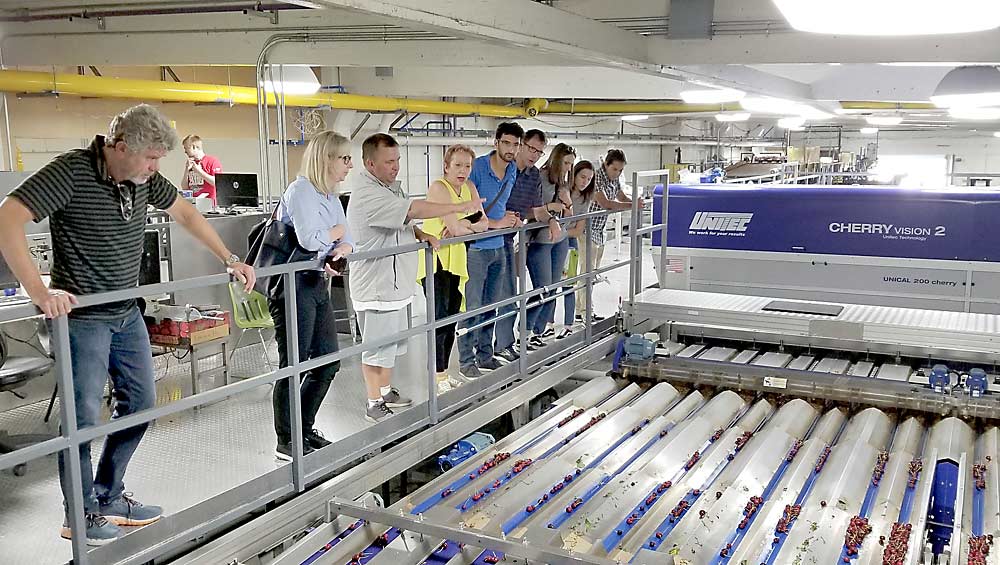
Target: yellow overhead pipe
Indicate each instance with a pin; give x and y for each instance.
(633, 108)
(864, 105)
(80, 85)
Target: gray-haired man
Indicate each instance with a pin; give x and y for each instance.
(95, 199)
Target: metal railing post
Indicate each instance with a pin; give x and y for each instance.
(521, 266)
(663, 235)
(294, 382)
(429, 291)
(67, 411)
(588, 254)
(635, 272)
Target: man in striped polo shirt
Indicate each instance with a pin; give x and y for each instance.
(95, 199)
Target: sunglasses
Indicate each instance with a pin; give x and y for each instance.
(126, 198)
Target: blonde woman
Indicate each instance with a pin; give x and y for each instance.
(311, 206)
(451, 270)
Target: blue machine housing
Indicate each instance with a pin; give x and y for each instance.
(464, 449)
(940, 378)
(862, 221)
(941, 513)
(977, 382)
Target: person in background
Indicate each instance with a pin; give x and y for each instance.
(547, 248)
(95, 199)
(581, 197)
(311, 205)
(494, 175)
(200, 169)
(379, 216)
(526, 202)
(450, 267)
(607, 196)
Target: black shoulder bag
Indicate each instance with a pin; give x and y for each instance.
(270, 243)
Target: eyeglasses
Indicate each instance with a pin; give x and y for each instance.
(570, 150)
(534, 150)
(509, 143)
(346, 159)
(126, 198)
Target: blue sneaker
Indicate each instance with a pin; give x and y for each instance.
(99, 530)
(125, 511)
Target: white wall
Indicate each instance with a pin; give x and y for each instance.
(975, 152)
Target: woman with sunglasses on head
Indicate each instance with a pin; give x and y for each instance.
(312, 207)
(581, 196)
(451, 269)
(547, 248)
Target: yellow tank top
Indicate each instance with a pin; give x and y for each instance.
(451, 257)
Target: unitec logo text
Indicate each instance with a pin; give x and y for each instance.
(721, 221)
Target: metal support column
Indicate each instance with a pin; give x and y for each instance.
(294, 382)
(432, 400)
(522, 304)
(72, 468)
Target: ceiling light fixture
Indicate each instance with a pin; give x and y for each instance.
(791, 122)
(884, 120)
(972, 86)
(982, 114)
(733, 117)
(291, 79)
(869, 131)
(891, 17)
(712, 96)
(635, 117)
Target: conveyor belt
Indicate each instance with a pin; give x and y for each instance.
(718, 479)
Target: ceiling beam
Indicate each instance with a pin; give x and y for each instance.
(196, 48)
(796, 47)
(528, 24)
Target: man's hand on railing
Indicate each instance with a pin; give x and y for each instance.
(52, 302)
(243, 273)
(427, 238)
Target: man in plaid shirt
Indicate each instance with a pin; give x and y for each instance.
(608, 195)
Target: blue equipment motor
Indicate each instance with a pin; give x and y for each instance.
(940, 378)
(464, 449)
(638, 349)
(977, 382)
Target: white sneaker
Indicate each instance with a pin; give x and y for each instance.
(444, 386)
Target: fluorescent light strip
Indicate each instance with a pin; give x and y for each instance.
(733, 117)
(891, 17)
(712, 96)
(884, 120)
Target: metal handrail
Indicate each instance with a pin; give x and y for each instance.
(73, 437)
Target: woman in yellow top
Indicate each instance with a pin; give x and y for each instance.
(450, 267)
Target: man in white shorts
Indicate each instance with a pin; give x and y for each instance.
(379, 216)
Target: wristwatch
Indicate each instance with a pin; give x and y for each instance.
(232, 259)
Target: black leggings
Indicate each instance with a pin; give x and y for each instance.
(447, 302)
(317, 337)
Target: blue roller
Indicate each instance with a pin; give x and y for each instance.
(941, 512)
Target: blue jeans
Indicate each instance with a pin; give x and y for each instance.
(570, 299)
(505, 327)
(486, 270)
(545, 265)
(99, 348)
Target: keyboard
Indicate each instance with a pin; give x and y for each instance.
(15, 300)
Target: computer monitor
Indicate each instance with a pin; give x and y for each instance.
(236, 189)
(150, 271)
(7, 278)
